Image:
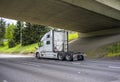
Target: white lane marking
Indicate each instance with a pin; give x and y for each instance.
(76, 63)
(31, 64)
(115, 67)
(5, 81)
(25, 63)
(79, 72)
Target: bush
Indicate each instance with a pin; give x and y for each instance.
(11, 43)
(1, 43)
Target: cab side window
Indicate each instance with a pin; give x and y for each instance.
(48, 36)
(47, 42)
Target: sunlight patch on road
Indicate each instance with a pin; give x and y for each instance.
(115, 67)
(5, 81)
(14, 56)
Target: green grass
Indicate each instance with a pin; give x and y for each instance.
(105, 51)
(72, 36)
(19, 49)
(28, 49)
(114, 50)
(113, 54)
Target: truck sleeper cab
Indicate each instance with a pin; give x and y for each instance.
(54, 44)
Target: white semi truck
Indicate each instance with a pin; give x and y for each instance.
(54, 44)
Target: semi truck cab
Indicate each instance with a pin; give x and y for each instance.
(54, 44)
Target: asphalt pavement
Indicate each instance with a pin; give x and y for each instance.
(30, 69)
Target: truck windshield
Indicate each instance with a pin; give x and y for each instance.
(40, 44)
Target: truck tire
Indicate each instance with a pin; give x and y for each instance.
(80, 57)
(61, 56)
(69, 57)
(37, 55)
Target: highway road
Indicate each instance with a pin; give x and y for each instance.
(29, 69)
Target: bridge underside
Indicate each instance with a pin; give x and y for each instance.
(59, 13)
(91, 43)
(89, 17)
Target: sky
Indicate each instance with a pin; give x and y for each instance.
(9, 21)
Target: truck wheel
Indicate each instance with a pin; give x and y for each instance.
(37, 55)
(80, 57)
(61, 56)
(68, 57)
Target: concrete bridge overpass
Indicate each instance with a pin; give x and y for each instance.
(89, 17)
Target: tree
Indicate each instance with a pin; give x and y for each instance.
(9, 35)
(10, 32)
(28, 33)
(2, 31)
(33, 32)
(18, 32)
